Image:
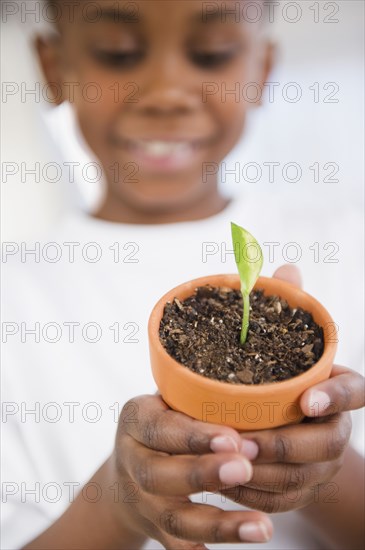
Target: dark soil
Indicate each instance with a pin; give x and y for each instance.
(203, 334)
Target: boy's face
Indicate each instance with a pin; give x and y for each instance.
(161, 106)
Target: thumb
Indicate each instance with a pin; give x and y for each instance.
(343, 391)
(289, 273)
(171, 543)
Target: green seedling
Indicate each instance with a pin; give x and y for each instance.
(249, 260)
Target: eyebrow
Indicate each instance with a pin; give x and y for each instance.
(115, 15)
(219, 14)
(125, 15)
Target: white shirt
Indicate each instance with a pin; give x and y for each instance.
(76, 387)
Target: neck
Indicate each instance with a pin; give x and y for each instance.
(114, 209)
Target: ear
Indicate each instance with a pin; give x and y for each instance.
(268, 62)
(270, 58)
(48, 51)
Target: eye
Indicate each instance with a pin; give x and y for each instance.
(118, 59)
(209, 60)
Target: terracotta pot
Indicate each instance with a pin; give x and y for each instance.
(244, 407)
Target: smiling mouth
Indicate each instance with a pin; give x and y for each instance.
(164, 154)
(159, 148)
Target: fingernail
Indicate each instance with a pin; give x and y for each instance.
(236, 471)
(253, 532)
(249, 448)
(223, 443)
(319, 401)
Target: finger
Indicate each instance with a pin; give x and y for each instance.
(203, 523)
(271, 502)
(343, 391)
(158, 427)
(180, 475)
(291, 478)
(148, 504)
(289, 273)
(305, 442)
(172, 543)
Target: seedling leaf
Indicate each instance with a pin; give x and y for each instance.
(249, 260)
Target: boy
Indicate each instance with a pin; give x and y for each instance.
(166, 52)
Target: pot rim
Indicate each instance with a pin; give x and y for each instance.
(238, 389)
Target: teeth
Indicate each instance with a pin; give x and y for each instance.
(162, 148)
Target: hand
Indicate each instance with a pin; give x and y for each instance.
(294, 461)
(160, 458)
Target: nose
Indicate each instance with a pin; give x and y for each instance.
(169, 89)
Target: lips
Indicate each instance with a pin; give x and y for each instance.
(159, 148)
(163, 154)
